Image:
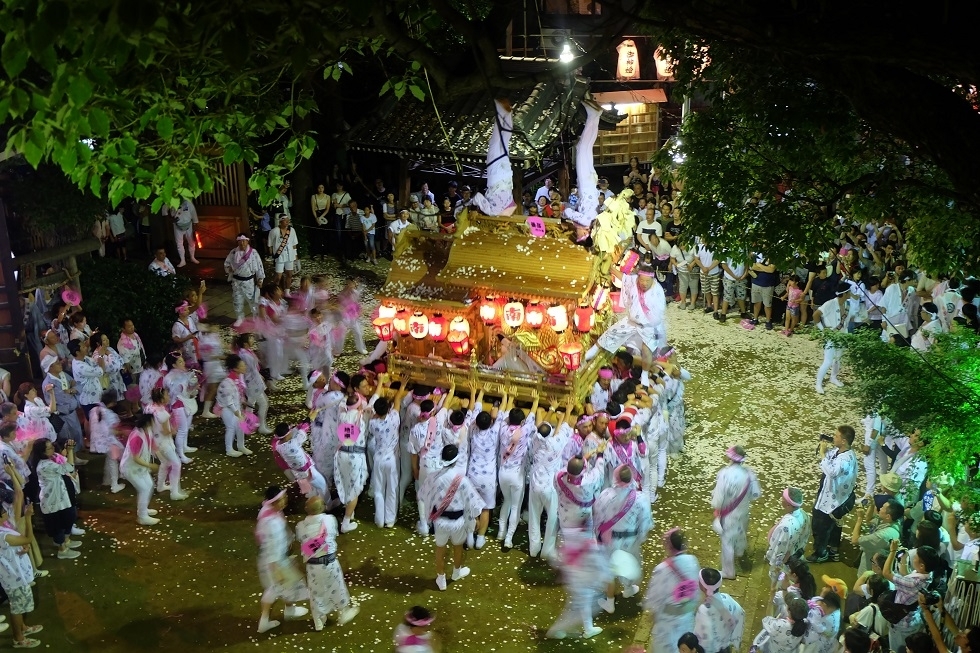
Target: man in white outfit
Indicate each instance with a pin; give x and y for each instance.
(578, 486)
(282, 246)
(588, 203)
(644, 330)
(287, 445)
(622, 519)
(736, 486)
(789, 535)
(243, 265)
(499, 199)
(835, 315)
(547, 445)
(452, 504)
(184, 217)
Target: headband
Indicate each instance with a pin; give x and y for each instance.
(600, 413)
(178, 309)
(622, 431)
(932, 313)
(314, 375)
(708, 589)
(646, 273)
(667, 543)
(425, 415)
(336, 379)
(242, 237)
(790, 501)
(605, 374)
(734, 455)
(416, 395)
(584, 419)
(411, 621)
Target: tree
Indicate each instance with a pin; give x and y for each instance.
(904, 89)
(145, 98)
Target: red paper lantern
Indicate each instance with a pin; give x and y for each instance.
(615, 298)
(534, 315)
(383, 326)
(418, 325)
(490, 311)
(401, 322)
(460, 342)
(571, 355)
(437, 327)
(584, 318)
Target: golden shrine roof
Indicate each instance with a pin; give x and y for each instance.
(413, 277)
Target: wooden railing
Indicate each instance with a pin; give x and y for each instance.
(227, 189)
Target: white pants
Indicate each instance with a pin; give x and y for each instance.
(142, 481)
(512, 487)
(244, 292)
(169, 472)
(179, 236)
(578, 610)
(261, 405)
(110, 470)
(831, 363)
(275, 356)
(870, 471)
(183, 424)
(232, 430)
(384, 489)
(404, 472)
(423, 510)
(543, 500)
(318, 484)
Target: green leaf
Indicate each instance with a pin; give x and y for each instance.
(233, 152)
(33, 153)
(14, 56)
(417, 92)
(165, 127)
(4, 109)
(385, 88)
(80, 90)
(99, 121)
(142, 192)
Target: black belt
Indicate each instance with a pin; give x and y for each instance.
(238, 278)
(322, 560)
(353, 449)
(452, 514)
(624, 534)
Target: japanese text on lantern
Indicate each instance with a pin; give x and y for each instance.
(512, 314)
(418, 329)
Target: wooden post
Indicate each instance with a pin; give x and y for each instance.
(518, 170)
(404, 182)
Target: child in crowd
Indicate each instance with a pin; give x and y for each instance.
(413, 635)
(793, 296)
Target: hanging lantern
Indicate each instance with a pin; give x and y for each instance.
(460, 324)
(437, 327)
(490, 311)
(418, 325)
(386, 311)
(615, 298)
(534, 315)
(629, 63)
(559, 318)
(460, 342)
(665, 65)
(584, 318)
(401, 322)
(513, 314)
(571, 355)
(383, 326)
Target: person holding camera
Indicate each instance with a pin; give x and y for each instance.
(835, 497)
(909, 580)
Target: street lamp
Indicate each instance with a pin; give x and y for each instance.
(566, 55)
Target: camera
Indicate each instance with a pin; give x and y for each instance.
(931, 598)
(826, 438)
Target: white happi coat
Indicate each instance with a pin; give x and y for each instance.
(102, 425)
(246, 273)
(323, 434)
(113, 370)
(821, 637)
(732, 480)
(672, 619)
(785, 539)
(383, 431)
(577, 495)
(212, 353)
(482, 466)
(546, 454)
(294, 455)
(624, 454)
(328, 591)
(88, 379)
(629, 531)
(132, 352)
(181, 330)
(254, 383)
(719, 623)
(578, 446)
(499, 199)
(434, 491)
(644, 323)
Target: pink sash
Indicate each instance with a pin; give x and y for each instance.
(450, 493)
(311, 546)
(730, 508)
(430, 436)
(569, 494)
(605, 528)
(685, 590)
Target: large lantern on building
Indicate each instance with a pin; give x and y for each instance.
(460, 342)
(571, 355)
(384, 328)
(513, 314)
(437, 327)
(584, 318)
(386, 311)
(490, 311)
(559, 318)
(401, 322)
(418, 325)
(534, 315)
(460, 324)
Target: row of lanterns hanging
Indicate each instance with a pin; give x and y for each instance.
(493, 311)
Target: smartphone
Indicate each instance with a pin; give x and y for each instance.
(6, 460)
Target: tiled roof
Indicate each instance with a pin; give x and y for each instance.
(410, 127)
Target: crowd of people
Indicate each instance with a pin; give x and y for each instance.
(588, 475)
